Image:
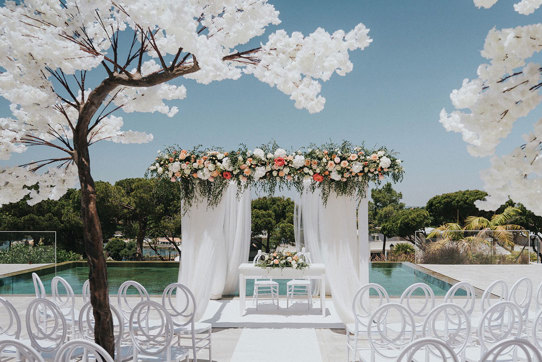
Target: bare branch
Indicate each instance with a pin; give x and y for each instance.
(48, 161)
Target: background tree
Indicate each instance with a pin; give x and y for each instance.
(454, 207)
(409, 221)
(507, 89)
(273, 218)
(386, 202)
(61, 100)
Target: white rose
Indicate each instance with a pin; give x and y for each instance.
(357, 167)
(286, 170)
(258, 152)
(160, 170)
(269, 155)
(226, 164)
(187, 171)
(183, 166)
(275, 173)
(398, 162)
(220, 156)
(157, 165)
(175, 167)
(306, 169)
(204, 174)
(259, 172)
(195, 165)
(337, 160)
(268, 168)
(299, 161)
(240, 158)
(385, 162)
(380, 153)
(335, 175)
(280, 153)
(153, 167)
(211, 167)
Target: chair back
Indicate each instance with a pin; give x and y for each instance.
(437, 349)
(305, 255)
(363, 307)
(46, 325)
(151, 338)
(496, 292)
(538, 298)
(451, 324)
(521, 294)
(180, 304)
(11, 324)
(125, 303)
(62, 294)
(21, 350)
(86, 324)
(415, 307)
(39, 289)
(386, 341)
(537, 330)
(257, 257)
(86, 291)
(520, 349)
(466, 301)
(501, 321)
(72, 351)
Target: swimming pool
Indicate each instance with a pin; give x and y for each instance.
(155, 276)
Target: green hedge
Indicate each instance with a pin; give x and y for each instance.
(25, 254)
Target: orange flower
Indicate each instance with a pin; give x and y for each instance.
(171, 159)
(353, 157)
(317, 177)
(281, 173)
(307, 162)
(326, 173)
(344, 163)
(195, 175)
(325, 152)
(177, 174)
(226, 175)
(247, 171)
(249, 160)
(243, 166)
(204, 158)
(314, 162)
(215, 173)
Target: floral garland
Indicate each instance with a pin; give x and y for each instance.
(343, 169)
(279, 259)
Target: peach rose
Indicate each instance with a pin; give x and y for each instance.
(247, 172)
(344, 163)
(281, 173)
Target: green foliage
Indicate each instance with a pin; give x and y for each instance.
(114, 247)
(273, 216)
(42, 254)
(129, 252)
(454, 207)
(403, 248)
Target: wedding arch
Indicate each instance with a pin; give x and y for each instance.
(331, 209)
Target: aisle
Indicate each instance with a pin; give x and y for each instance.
(271, 345)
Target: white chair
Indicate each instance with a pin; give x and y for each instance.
(123, 349)
(466, 301)
(387, 343)
(23, 351)
(265, 287)
(451, 324)
(65, 301)
(362, 309)
(125, 302)
(180, 303)
(515, 349)
(11, 322)
(537, 331)
(39, 289)
(501, 321)
(82, 350)
(521, 294)
(300, 287)
(428, 349)
(85, 292)
(46, 327)
(419, 307)
(151, 330)
(496, 292)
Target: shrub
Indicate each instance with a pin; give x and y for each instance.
(26, 254)
(444, 254)
(402, 249)
(114, 248)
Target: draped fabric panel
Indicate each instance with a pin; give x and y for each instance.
(215, 240)
(331, 235)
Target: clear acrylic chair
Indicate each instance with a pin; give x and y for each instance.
(151, 331)
(180, 303)
(538, 298)
(428, 350)
(62, 295)
(46, 327)
(265, 287)
(82, 350)
(85, 292)
(536, 335)
(462, 294)
(419, 307)
(123, 346)
(362, 309)
(300, 287)
(521, 294)
(449, 323)
(23, 351)
(387, 343)
(11, 322)
(513, 349)
(39, 289)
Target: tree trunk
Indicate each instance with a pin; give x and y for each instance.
(384, 247)
(140, 237)
(92, 236)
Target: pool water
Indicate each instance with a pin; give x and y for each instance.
(395, 277)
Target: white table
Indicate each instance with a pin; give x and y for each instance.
(250, 271)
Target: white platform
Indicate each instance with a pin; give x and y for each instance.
(225, 314)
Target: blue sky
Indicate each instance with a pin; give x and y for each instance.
(421, 51)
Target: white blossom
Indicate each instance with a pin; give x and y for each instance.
(258, 152)
(385, 162)
(299, 161)
(280, 153)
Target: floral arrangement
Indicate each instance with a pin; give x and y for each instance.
(280, 259)
(344, 169)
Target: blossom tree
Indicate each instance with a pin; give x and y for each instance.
(507, 89)
(68, 65)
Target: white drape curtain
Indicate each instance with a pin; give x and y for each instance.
(215, 240)
(330, 233)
